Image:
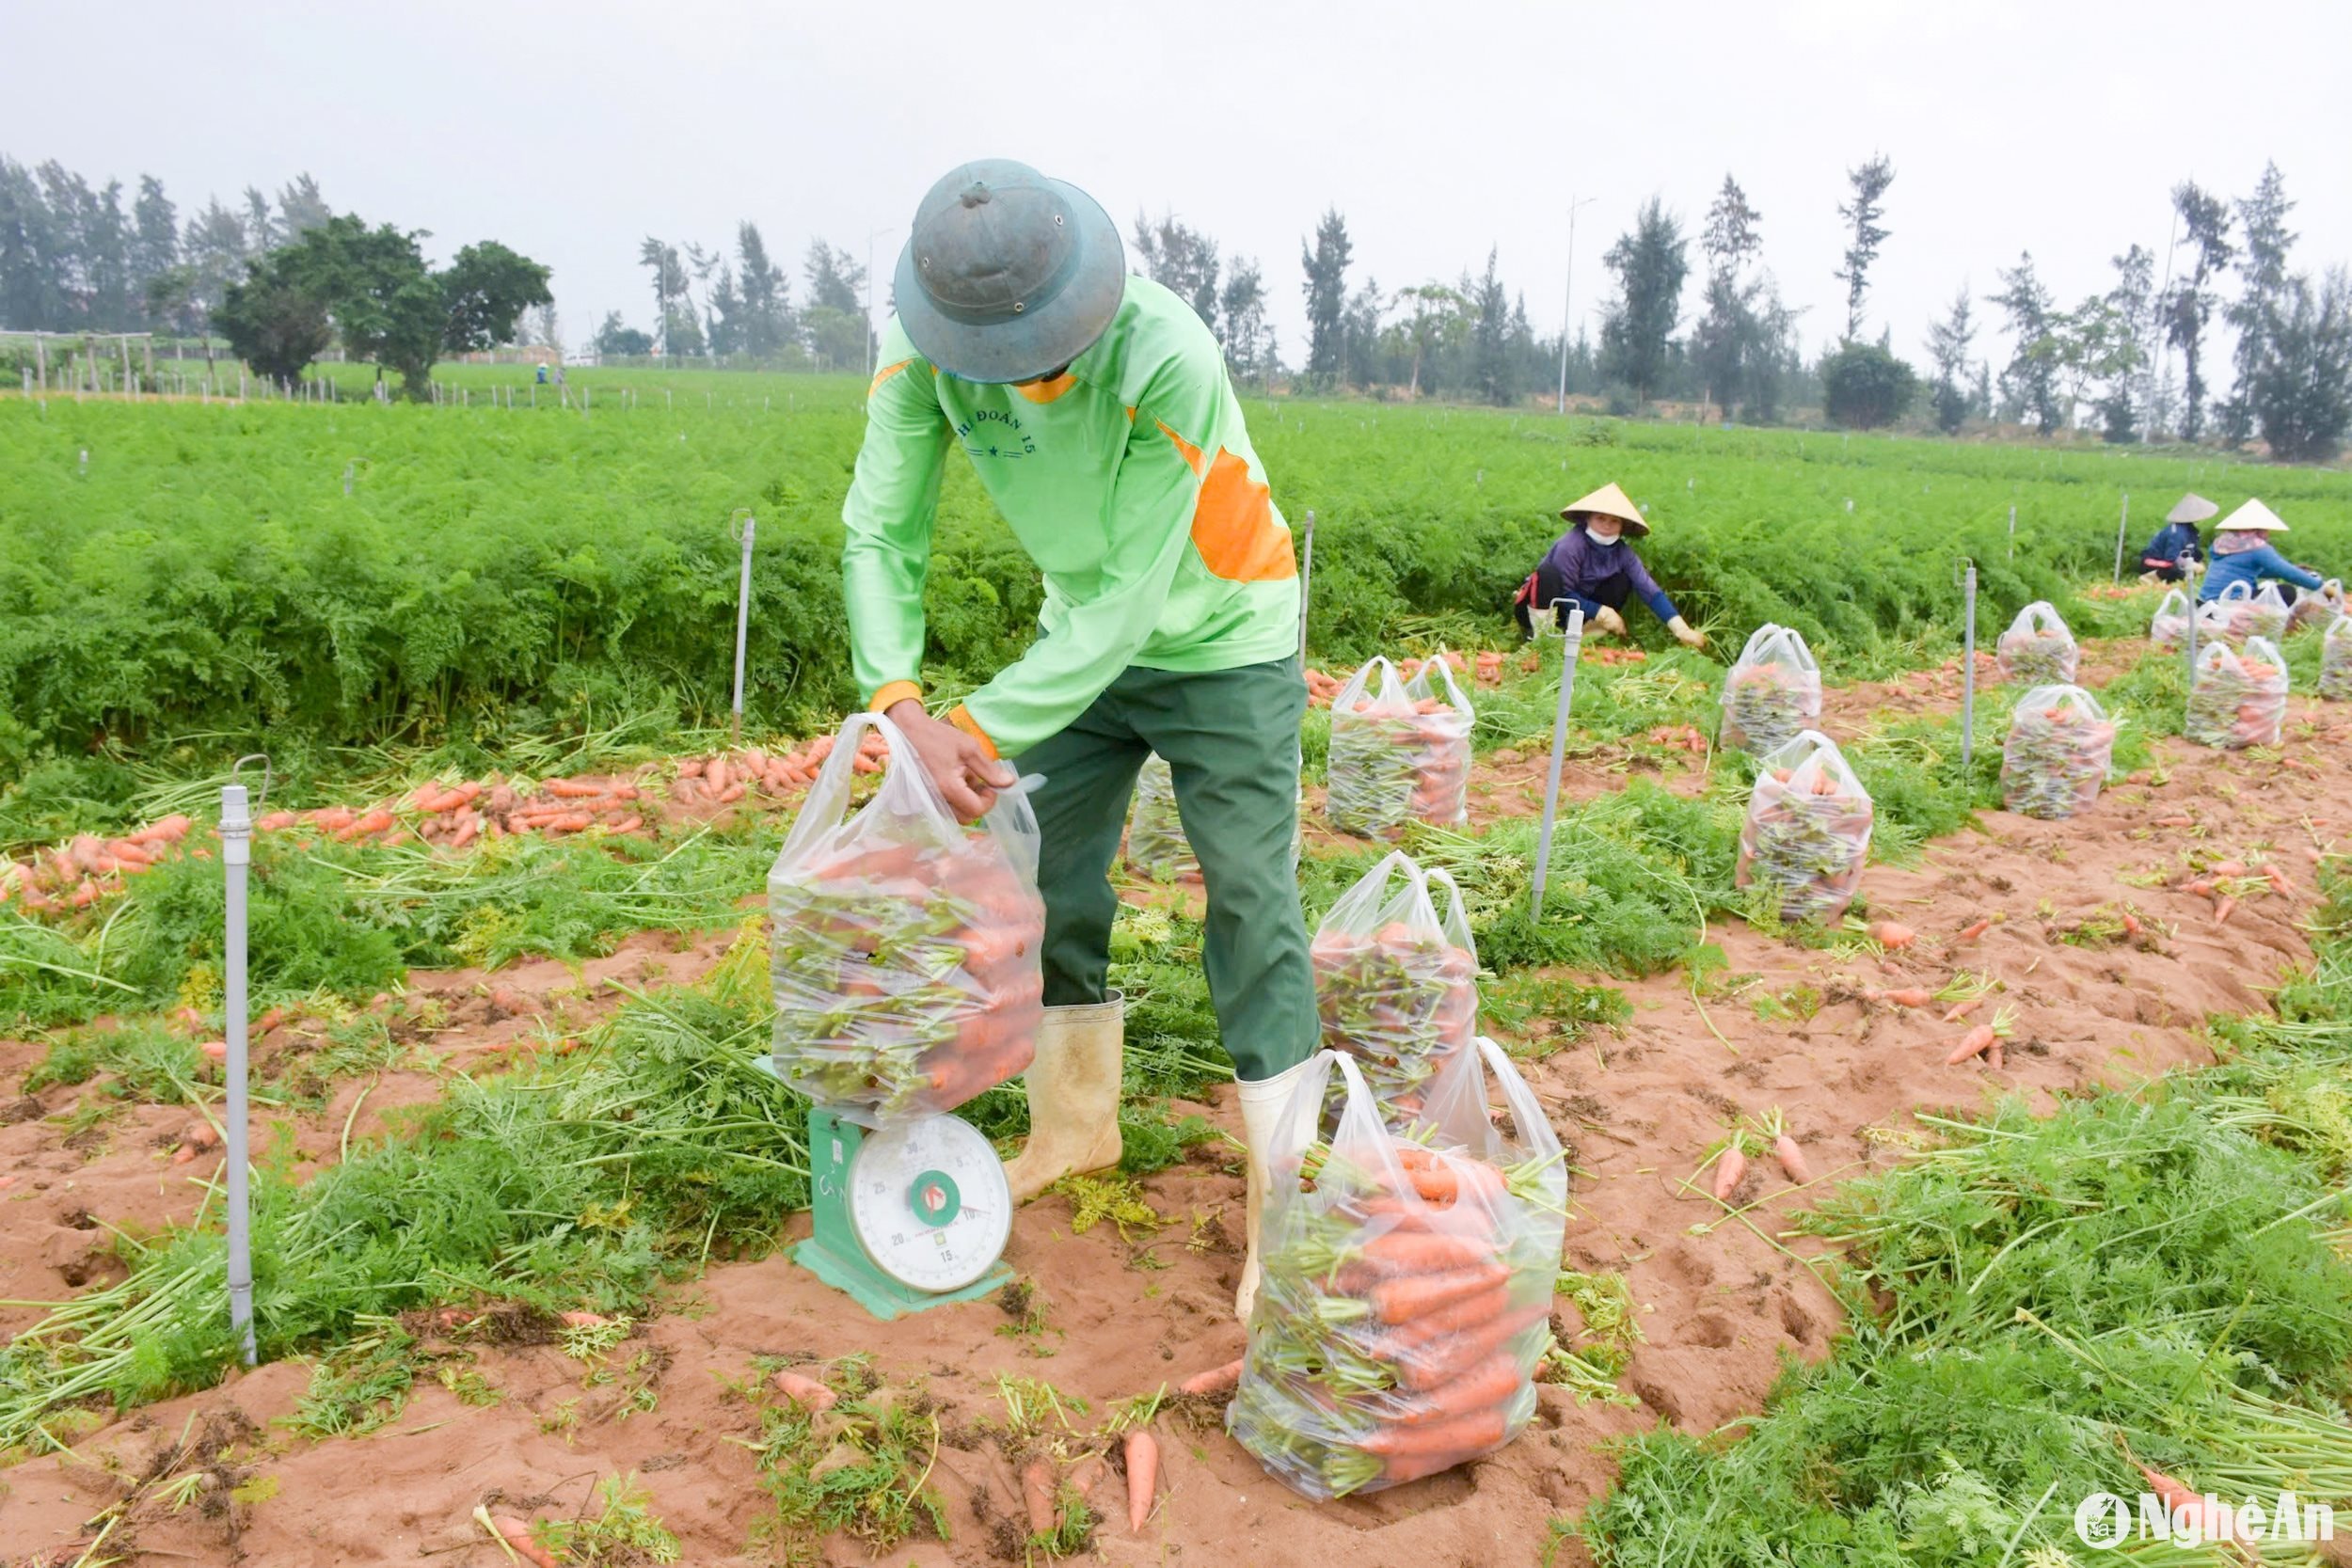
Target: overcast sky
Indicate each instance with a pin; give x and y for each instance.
(572, 131)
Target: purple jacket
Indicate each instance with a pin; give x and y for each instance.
(1594, 575)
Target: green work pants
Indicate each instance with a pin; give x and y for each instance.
(1230, 738)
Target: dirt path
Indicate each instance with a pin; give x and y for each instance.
(1783, 1026)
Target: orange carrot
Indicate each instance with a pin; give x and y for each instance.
(1791, 1159)
(1217, 1380)
(1962, 1008)
(1975, 929)
(1993, 1055)
(717, 775)
(2174, 821)
(216, 1050)
(1892, 934)
(1464, 1437)
(1974, 1041)
(517, 1537)
(182, 1155)
(629, 825)
(2222, 912)
(1909, 996)
(2278, 879)
(569, 822)
(2132, 926)
(2200, 887)
(1424, 1252)
(1729, 1170)
(1143, 1473)
(806, 1392)
(1036, 1491)
(1395, 1301)
(728, 796)
(2228, 868)
(573, 789)
(1492, 1382)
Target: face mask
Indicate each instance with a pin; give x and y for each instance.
(1598, 540)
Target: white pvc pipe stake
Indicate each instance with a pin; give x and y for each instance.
(1571, 641)
(1968, 680)
(1306, 581)
(742, 613)
(236, 854)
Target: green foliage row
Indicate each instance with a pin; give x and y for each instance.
(530, 569)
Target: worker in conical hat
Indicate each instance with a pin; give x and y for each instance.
(2173, 552)
(1593, 566)
(1095, 410)
(2243, 552)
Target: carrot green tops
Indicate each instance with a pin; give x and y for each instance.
(1129, 479)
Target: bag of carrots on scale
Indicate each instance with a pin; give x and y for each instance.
(1808, 832)
(903, 944)
(2168, 627)
(1396, 984)
(2335, 660)
(1407, 1295)
(2055, 761)
(2238, 699)
(1773, 690)
(2037, 649)
(1400, 751)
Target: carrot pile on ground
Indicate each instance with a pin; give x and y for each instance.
(1403, 1310)
(1395, 983)
(87, 868)
(1400, 751)
(2061, 745)
(1602, 653)
(1678, 738)
(1322, 689)
(2238, 699)
(904, 955)
(1807, 830)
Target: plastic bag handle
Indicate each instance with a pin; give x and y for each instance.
(1526, 1110)
(1455, 913)
(1356, 683)
(1455, 698)
(2239, 590)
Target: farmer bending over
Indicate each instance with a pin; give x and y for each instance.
(2242, 552)
(1095, 409)
(2170, 553)
(1593, 567)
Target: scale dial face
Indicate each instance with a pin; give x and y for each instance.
(929, 1203)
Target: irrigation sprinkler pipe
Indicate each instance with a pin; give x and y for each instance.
(1571, 641)
(1968, 672)
(745, 526)
(236, 854)
(1306, 581)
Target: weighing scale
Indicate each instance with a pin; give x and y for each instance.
(908, 1217)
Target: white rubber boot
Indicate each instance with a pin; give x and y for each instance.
(1262, 1105)
(1073, 1097)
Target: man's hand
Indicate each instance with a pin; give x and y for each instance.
(1689, 635)
(968, 778)
(1609, 621)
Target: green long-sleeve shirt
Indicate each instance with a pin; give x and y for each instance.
(1129, 479)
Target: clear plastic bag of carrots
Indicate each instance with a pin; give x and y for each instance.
(2238, 698)
(2060, 745)
(2228, 618)
(903, 946)
(2318, 611)
(2335, 660)
(1156, 846)
(2269, 613)
(2168, 627)
(1808, 832)
(1400, 751)
(1396, 982)
(2037, 649)
(1773, 692)
(1407, 1295)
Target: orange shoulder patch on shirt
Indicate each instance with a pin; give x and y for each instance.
(1232, 520)
(885, 374)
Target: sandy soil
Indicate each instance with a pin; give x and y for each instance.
(1783, 1027)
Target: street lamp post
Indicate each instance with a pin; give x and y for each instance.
(1568, 318)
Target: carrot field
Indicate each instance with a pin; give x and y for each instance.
(520, 1192)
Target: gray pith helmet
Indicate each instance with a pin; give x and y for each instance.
(1008, 276)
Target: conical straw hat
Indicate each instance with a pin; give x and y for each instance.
(2253, 517)
(1610, 501)
(2193, 507)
